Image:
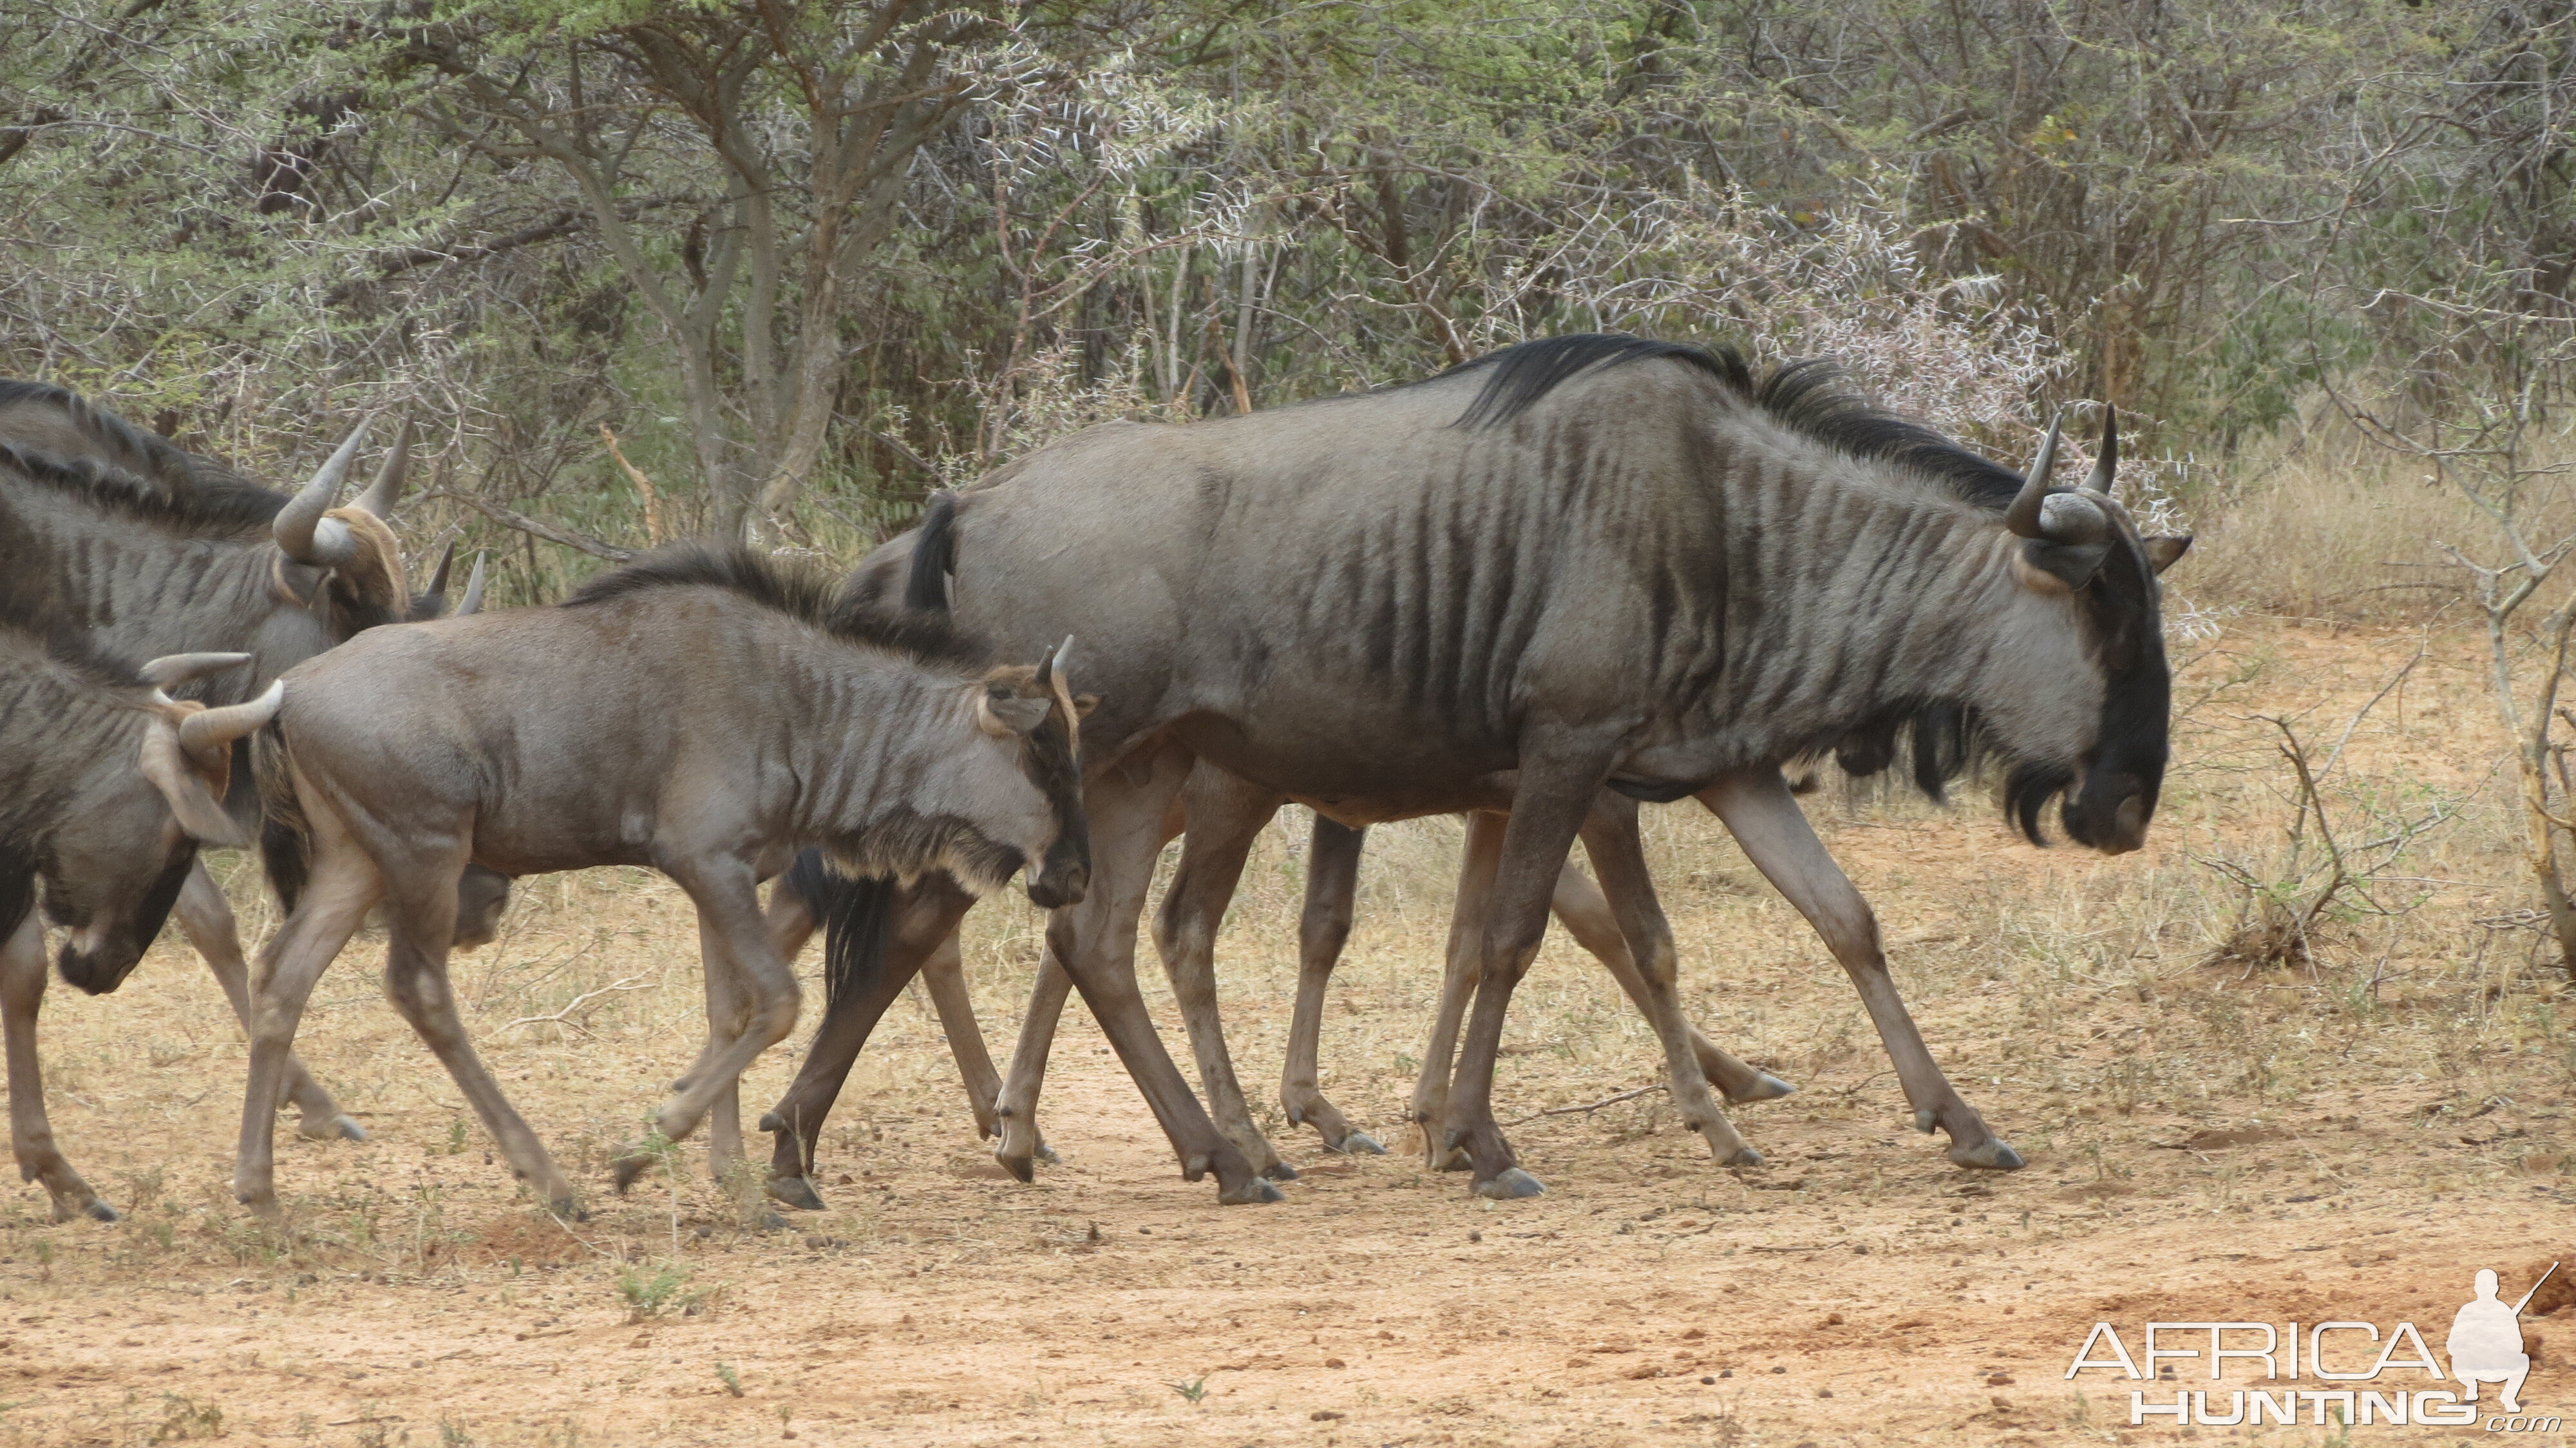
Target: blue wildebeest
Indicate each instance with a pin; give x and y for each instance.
(1581, 563)
(699, 711)
(147, 548)
(107, 787)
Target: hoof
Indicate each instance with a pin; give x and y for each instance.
(95, 1210)
(1513, 1184)
(1018, 1166)
(265, 1209)
(796, 1192)
(1992, 1154)
(1744, 1156)
(1360, 1143)
(1046, 1153)
(1280, 1171)
(1768, 1088)
(338, 1128)
(626, 1169)
(1254, 1191)
(769, 1221)
(1923, 1121)
(568, 1209)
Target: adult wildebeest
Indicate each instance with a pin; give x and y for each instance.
(107, 787)
(146, 548)
(1586, 562)
(700, 711)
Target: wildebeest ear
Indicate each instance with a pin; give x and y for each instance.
(1002, 711)
(2051, 567)
(1083, 704)
(2164, 550)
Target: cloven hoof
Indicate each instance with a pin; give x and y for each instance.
(97, 1211)
(1280, 1171)
(1744, 1156)
(626, 1169)
(1768, 1088)
(339, 1128)
(1992, 1154)
(1360, 1143)
(795, 1192)
(1255, 1190)
(1513, 1184)
(1046, 1153)
(1019, 1168)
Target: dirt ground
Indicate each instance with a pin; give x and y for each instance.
(2211, 1138)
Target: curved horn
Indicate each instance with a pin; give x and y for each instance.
(473, 600)
(1064, 653)
(2023, 516)
(215, 728)
(170, 669)
(301, 530)
(436, 594)
(380, 494)
(2106, 463)
(1046, 666)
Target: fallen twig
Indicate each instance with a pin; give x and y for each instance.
(564, 1017)
(1587, 1110)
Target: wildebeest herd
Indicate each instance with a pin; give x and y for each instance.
(1541, 589)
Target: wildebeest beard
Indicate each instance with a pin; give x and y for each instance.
(907, 846)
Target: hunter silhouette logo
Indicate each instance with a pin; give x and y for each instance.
(2361, 1376)
(2485, 1345)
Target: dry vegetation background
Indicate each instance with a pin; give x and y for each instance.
(2212, 1134)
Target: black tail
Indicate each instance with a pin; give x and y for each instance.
(934, 556)
(285, 847)
(857, 917)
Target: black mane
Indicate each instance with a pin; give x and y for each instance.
(214, 504)
(800, 593)
(1805, 396)
(163, 462)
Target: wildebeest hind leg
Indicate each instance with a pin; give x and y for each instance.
(1764, 818)
(1457, 988)
(1096, 941)
(1555, 794)
(1586, 915)
(31, 1135)
(726, 1020)
(1225, 816)
(421, 921)
(1323, 928)
(206, 918)
(1610, 835)
(341, 888)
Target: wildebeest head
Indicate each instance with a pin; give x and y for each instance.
(2080, 549)
(121, 846)
(340, 569)
(1034, 714)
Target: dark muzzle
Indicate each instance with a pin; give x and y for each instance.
(2110, 812)
(1063, 877)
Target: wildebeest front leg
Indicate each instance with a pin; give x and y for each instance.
(343, 886)
(1323, 928)
(31, 1135)
(420, 918)
(1225, 816)
(1610, 835)
(206, 918)
(926, 913)
(1764, 818)
(737, 942)
(1476, 864)
(1555, 793)
(1587, 916)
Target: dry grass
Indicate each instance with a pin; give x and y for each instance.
(2413, 1078)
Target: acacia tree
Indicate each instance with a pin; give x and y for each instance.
(741, 163)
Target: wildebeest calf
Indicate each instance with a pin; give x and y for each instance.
(701, 711)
